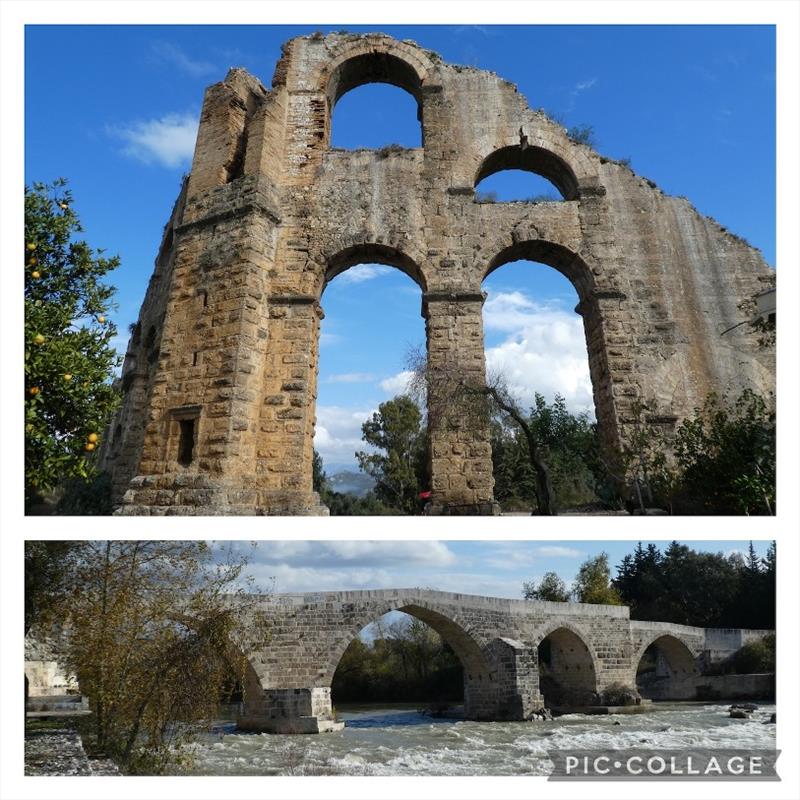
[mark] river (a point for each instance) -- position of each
(383, 740)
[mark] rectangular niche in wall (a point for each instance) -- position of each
(183, 433)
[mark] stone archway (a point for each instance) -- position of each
(666, 668)
(537, 160)
(593, 306)
(568, 667)
(479, 676)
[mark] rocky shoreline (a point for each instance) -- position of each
(55, 748)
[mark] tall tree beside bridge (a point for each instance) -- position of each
(152, 640)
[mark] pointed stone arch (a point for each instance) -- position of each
(373, 59)
(572, 675)
(369, 252)
(477, 657)
(674, 671)
(536, 160)
(597, 305)
(542, 146)
(679, 652)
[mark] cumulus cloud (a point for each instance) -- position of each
(357, 552)
(173, 56)
(513, 555)
(286, 578)
(350, 377)
(167, 141)
(554, 551)
(361, 273)
(338, 433)
(300, 566)
(397, 384)
(544, 351)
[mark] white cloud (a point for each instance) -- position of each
(350, 377)
(327, 339)
(735, 552)
(362, 272)
(174, 56)
(554, 551)
(582, 86)
(338, 433)
(361, 552)
(168, 141)
(544, 352)
(397, 384)
(515, 555)
(297, 566)
(285, 578)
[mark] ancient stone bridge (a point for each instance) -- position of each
(220, 376)
(505, 647)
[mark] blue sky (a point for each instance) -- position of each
(114, 109)
(495, 568)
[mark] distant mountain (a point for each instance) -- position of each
(349, 482)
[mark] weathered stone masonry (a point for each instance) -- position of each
(220, 374)
(496, 640)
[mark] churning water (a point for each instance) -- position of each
(397, 741)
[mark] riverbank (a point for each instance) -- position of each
(53, 746)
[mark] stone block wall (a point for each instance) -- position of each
(497, 641)
(227, 348)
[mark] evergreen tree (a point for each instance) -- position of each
(399, 465)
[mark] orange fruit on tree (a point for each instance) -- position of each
(31, 246)
(38, 339)
(101, 319)
(36, 274)
(88, 447)
(67, 376)
(34, 390)
(92, 438)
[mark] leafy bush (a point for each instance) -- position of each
(87, 498)
(582, 134)
(758, 656)
(618, 694)
(725, 457)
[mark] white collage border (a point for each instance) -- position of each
(15, 527)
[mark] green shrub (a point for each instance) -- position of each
(757, 656)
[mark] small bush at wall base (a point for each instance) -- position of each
(87, 498)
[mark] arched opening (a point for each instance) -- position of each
(666, 670)
(385, 110)
(567, 674)
(372, 299)
(551, 169)
(516, 185)
(411, 655)
(538, 349)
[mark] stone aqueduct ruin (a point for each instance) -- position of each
(288, 683)
(220, 376)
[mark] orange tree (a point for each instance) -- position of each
(69, 356)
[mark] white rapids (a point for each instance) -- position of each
(399, 741)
